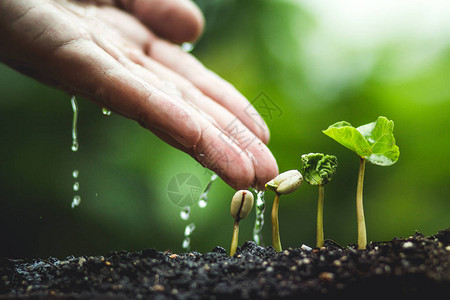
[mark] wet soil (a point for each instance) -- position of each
(414, 266)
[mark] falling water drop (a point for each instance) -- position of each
(186, 243)
(202, 203)
(106, 112)
(76, 201)
(185, 213)
(76, 186)
(74, 146)
(259, 221)
(74, 103)
(75, 173)
(189, 228)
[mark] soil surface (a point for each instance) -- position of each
(418, 265)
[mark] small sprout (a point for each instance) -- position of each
(241, 205)
(286, 182)
(318, 169)
(283, 184)
(373, 142)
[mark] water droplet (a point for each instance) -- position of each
(76, 201)
(74, 146)
(185, 213)
(202, 203)
(306, 247)
(75, 173)
(76, 186)
(187, 47)
(106, 112)
(260, 207)
(189, 228)
(186, 243)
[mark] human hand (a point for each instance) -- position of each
(122, 55)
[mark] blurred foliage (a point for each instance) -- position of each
(278, 49)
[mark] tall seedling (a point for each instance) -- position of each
(373, 142)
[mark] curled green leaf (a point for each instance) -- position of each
(318, 168)
(374, 142)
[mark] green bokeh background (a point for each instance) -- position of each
(319, 62)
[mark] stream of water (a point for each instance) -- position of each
(204, 196)
(260, 207)
(76, 200)
(74, 103)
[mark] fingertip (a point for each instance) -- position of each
(175, 20)
(219, 153)
(265, 135)
(266, 167)
(197, 23)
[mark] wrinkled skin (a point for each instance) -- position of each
(123, 55)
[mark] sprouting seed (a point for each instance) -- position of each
(241, 205)
(283, 184)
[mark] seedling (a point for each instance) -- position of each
(373, 142)
(318, 169)
(283, 184)
(241, 205)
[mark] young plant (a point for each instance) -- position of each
(373, 142)
(318, 169)
(241, 205)
(283, 184)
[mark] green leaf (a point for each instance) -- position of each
(374, 142)
(348, 136)
(317, 168)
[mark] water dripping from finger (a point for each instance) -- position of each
(76, 200)
(203, 202)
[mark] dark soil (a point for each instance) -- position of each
(417, 265)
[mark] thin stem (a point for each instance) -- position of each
(319, 239)
(234, 239)
(275, 230)
(362, 237)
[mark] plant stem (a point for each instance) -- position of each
(234, 239)
(275, 230)
(319, 239)
(362, 237)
